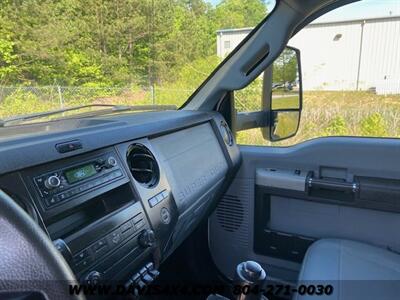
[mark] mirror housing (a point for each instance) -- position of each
(282, 96)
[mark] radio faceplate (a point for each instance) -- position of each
(61, 185)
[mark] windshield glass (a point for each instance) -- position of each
(64, 53)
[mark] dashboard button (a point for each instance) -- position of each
(127, 229)
(149, 266)
(165, 194)
(154, 273)
(126, 226)
(137, 218)
(83, 264)
(139, 224)
(143, 271)
(100, 247)
(39, 181)
(159, 198)
(52, 201)
(68, 146)
(83, 255)
(135, 278)
(141, 285)
(165, 215)
(153, 202)
(115, 237)
(147, 279)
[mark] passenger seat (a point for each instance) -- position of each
(355, 270)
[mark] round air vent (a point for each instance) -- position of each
(143, 165)
(226, 134)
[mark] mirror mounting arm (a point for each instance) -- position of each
(267, 100)
(249, 120)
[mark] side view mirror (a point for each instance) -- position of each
(282, 96)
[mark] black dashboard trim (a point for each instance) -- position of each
(23, 152)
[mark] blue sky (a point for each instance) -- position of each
(361, 9)
(364, 9)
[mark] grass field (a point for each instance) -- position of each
(339, 114)
(324, 113)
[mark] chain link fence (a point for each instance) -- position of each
(16, 100)
(61, 95)
(27, 99)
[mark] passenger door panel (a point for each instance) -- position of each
(283, 199)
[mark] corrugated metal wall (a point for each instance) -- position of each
(348, 55)
(380, 58)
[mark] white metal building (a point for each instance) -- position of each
(343, 55)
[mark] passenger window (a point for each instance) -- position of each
(351, 76)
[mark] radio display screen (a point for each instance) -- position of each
(81, 173)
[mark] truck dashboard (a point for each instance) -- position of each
(119, 193)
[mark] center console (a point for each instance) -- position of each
(120, 211)
(92, 214)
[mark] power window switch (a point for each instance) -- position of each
(154, 273)
(147, 279)
(149, 266)
(143, 271)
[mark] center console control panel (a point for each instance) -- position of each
(93, 214)
(105, 248)
(58, 186)
(107, 243)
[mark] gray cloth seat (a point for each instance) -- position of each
(355, 270)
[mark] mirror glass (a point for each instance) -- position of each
(286, 81)
(285, 124)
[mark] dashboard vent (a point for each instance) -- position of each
(226, 134)
(143, 165)
(230, 213)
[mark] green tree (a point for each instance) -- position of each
(7, 59)
(112, 42)
(239, 13)
(285, 67)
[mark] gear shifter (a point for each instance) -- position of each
(251, 275)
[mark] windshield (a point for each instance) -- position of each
(65, 53)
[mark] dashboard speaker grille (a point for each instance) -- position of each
(143, 165)
(230, 213)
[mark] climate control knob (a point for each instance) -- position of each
(52, 182)
(147, 238)
(93, 278)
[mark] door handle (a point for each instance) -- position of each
(325, 184)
